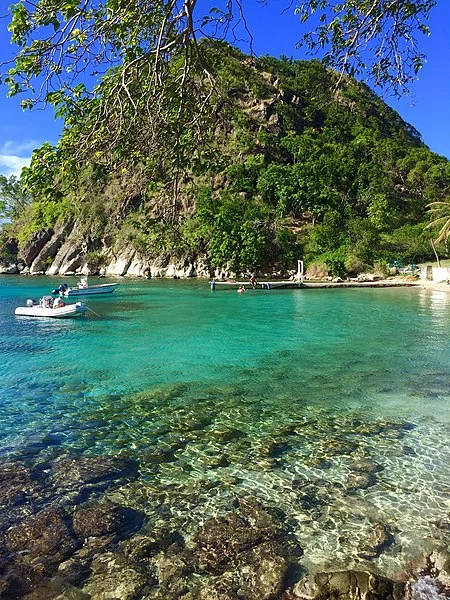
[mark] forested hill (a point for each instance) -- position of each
(288, 160)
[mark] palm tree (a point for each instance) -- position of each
(440, 210)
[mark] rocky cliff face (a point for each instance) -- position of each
(64, 251)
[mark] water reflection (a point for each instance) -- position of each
(437, 300)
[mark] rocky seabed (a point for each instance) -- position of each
(80, 526)
(101, 549)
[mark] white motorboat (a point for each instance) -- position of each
(47, 307)
(84, 289)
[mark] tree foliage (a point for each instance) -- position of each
(290, 167)
(375, 38)
(14, 198)
(117, 64)
(440, 213)
(63, 38)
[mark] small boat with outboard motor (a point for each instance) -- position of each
(49, 307)
(84, 289)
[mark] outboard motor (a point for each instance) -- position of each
(60, 289)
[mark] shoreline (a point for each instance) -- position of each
(305, 285)
(381, 283)
(277, 283)
(443, 287)
(356, 284)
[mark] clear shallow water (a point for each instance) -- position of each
(288, 395)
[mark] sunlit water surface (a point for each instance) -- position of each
(287, 395)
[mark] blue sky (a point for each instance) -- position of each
(427, 107)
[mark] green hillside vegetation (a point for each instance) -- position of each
(283, 165)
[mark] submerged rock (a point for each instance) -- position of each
(339, 447)
(55, 590)
(346, 585)
(264, 573)
(359, 481)
(20, 580)
(420, 565)
(44, 538)
(363, 475)
(379, 538)
(441, 565)
(16, 484)
(220, 541)
(75, 479)
(157, 456)
(250, 549)
(173, 574)
(276, 449)
(226, 435)
(108, 519)
(77, 568)
(144, 546)
(212, 592)
(114, 579)
(368, 465)
(69, 472)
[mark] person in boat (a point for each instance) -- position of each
(58, 302)
(253, 281)
(241, 289)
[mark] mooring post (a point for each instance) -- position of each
(300, 271)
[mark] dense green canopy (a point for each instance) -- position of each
(286, 165)
(179, 145)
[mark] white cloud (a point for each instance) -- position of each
(16, 155)
(12, 165)
(19, 148)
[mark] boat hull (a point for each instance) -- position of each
(62, 312)
(104, 288)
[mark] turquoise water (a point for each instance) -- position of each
(283, 394)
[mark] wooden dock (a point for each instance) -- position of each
(261, 285)
(306, 285)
